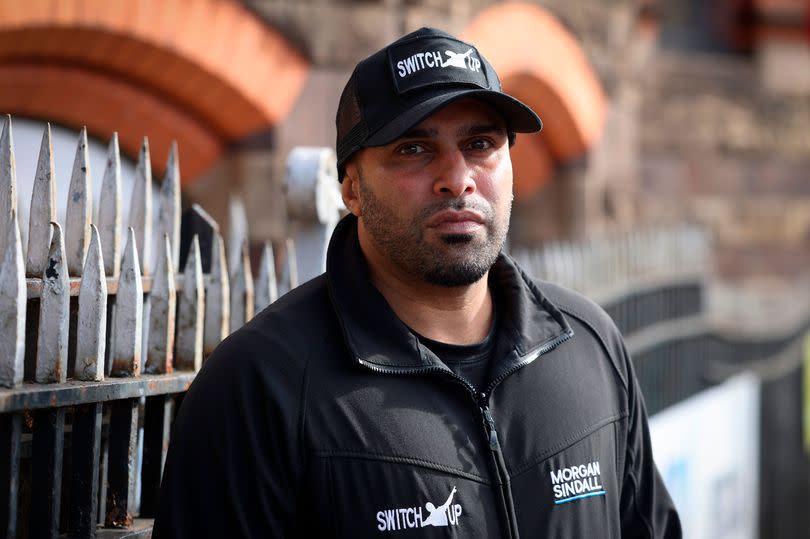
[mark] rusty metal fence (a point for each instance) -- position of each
(98, 343)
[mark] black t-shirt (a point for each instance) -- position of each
(469, 361)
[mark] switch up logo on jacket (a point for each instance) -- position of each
(404, 518)
(577, 482)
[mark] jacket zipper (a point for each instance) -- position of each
(501, 475)
(501, 471)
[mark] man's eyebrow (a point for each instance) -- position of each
(419, 132)
(481, 129)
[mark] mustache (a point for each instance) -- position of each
(458, 204)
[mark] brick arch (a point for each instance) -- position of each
(543, 65)
(204, 72)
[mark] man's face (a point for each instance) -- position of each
(434, 205)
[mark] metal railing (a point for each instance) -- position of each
(98, 344)
(653, 283)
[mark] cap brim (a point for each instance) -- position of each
(518, 116)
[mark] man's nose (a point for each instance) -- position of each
(453, 174)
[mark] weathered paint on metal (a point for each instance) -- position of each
(121, 463)
(140, 211)
(126, 357)
(43, 209)
(241, 291)
(92, 322)
(34, 286)
(12, 309)
(169, 213)
(217, 299)
(190, 313)
(47, 450)
(292, 263)
(84, 473)
(8, 179)
(266, 286)
(52, 342)
(109, 210)
(158, 413)
(37, 396)
(79, 212)
(163, 298)
(195, 221)
(141, 528)
(237, 230)
(10, 450)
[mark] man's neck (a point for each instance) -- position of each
(452, 315)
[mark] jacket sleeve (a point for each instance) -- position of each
(647, 510)
(234, 462)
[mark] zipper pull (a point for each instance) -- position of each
(493, 434)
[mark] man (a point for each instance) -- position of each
(424, 365)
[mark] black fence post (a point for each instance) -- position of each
(10, 437)
(46, 470)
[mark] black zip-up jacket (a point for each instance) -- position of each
(324, 417)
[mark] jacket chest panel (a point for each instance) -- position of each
(418, 417)
(573, 493)
(556, 408)
(369, 497)
(559, 442)
(400, 456)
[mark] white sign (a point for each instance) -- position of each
(707, 449)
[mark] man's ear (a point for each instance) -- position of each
(350, 189)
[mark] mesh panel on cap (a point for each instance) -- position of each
(351, 129)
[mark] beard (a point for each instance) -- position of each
(452, 260)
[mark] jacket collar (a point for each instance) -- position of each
(377, 337)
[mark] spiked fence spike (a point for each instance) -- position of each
(43, 209)
(79, 208)
(266, 290)
(292, 263)
(169, 217)
(217, 299)
(126, 357)
(190, 313)
(8, 178)
(163, 298)
(140, 211)
(196, 221)
(91, 327)
(237, 230)
(12, 309)
(241, 291)
(52, 342)
(109, 210)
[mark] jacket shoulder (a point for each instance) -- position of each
(289, 317)
(277, 340)
(593, 318)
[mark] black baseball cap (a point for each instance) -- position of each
(399, 86)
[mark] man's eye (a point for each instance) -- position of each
(411, 149)
(480, 144)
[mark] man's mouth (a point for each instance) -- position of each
(462, 222)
